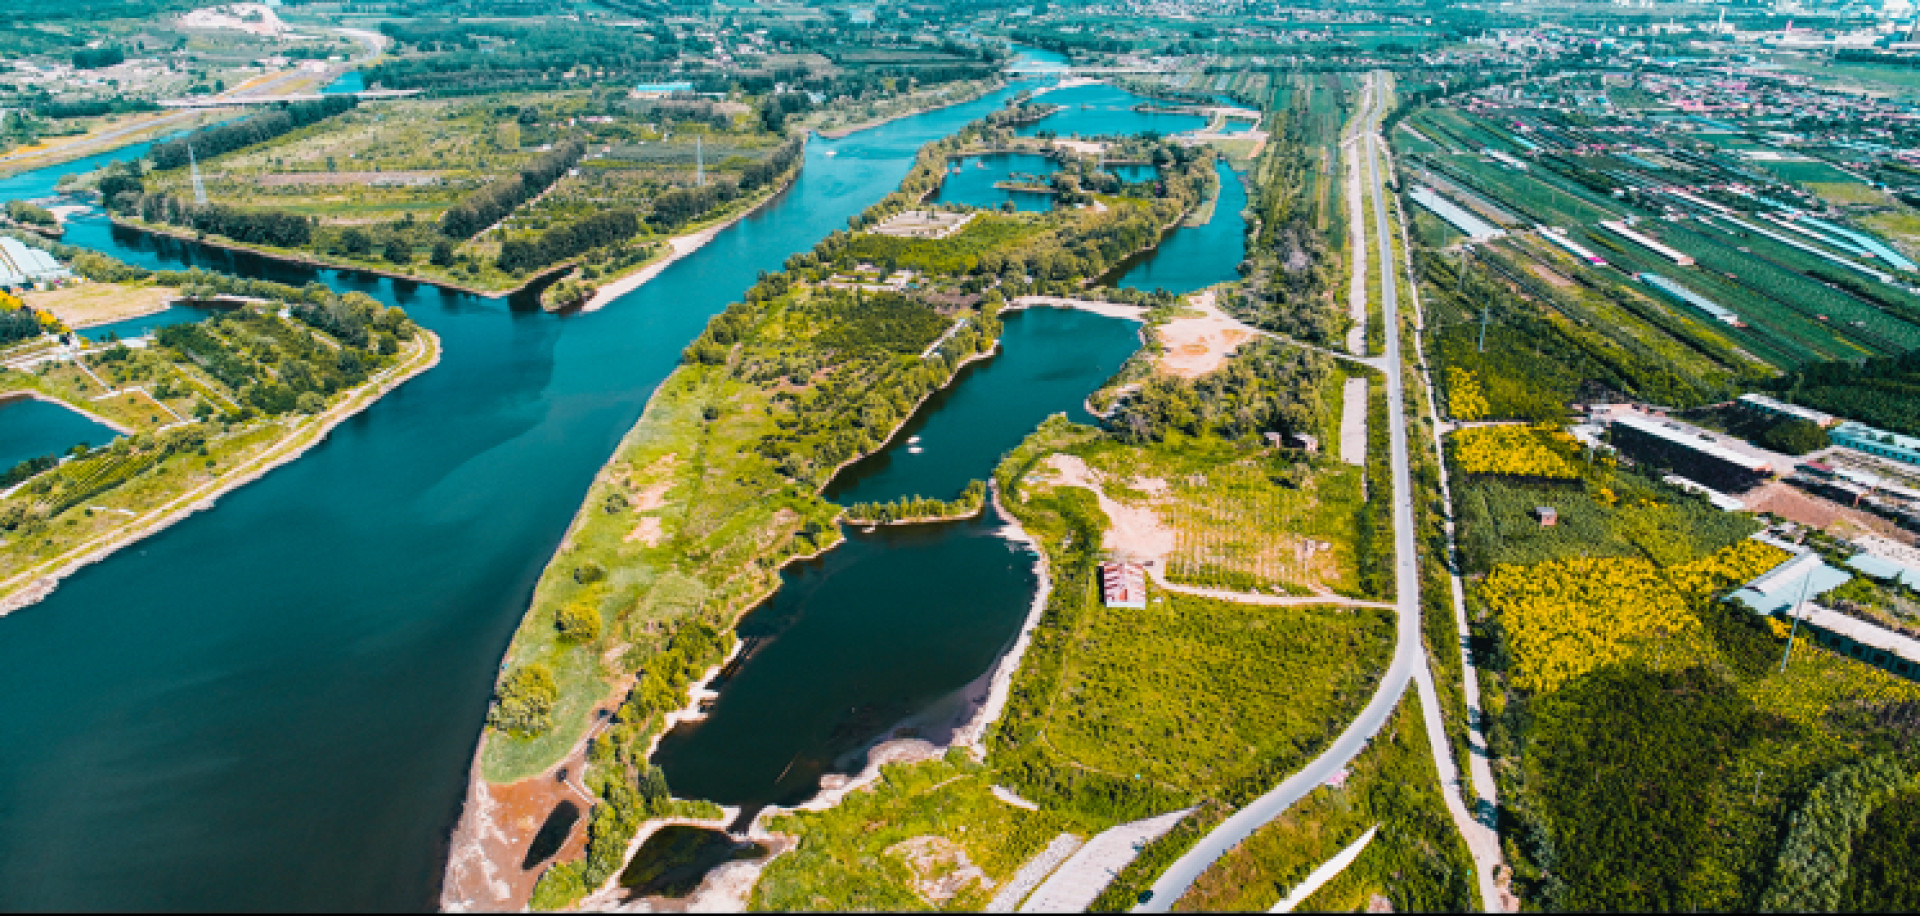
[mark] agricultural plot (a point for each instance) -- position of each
(1770, 289)
(379, 162)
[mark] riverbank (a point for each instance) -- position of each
(685, 244)
(33, 583)
(307, 259)
(979, 89)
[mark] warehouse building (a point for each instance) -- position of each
(1863, 438)
(1688, 454)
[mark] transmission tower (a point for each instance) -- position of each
(199, 187)
(699, 164)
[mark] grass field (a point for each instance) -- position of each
(1417, 861)
(929, 835)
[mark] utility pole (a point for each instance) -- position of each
(1794, 612)
(699, 164)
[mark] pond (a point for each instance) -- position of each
(970, 181)
(31, 428)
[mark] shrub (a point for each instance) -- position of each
(577, 623)
(1794, 437)
(525, 701)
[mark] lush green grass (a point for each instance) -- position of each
(1189, 698)
(1417, 860)
(861, 854)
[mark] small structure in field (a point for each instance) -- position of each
(1548, 516)
(1124, 585)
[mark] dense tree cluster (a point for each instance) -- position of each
(562, 242)
(1882, 391)
(479, 56)
(523, 704)
(492, 203)
(208, 142)
(98, 58)
(247, 226)
(1267, 388)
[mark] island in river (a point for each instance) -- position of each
(719, 485)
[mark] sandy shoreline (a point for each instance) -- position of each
(30, 586)
(1097, 307)
(682, 245)
(841, 133)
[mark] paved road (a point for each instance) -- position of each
(1407, 654)
(1409, 657)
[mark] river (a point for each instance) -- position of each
(273, 704)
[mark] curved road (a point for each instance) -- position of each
(1409, 656)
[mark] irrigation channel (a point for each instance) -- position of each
(273, 703)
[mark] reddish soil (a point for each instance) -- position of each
(1794, 504)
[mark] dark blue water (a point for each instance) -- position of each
(31, 428)
(141, 326)
(273, 704)
(973, 183)
(1100, 109)
(876, 630)
(1196, 257)
(1050, 360)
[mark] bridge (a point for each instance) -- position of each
(365, 95)
(1045, 70)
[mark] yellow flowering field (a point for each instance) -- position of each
(1465, 399)
(1564, 618)
(1519, 451)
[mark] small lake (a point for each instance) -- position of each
(1050, 360)
(1196, 257)
(970, 181)
(139, 327)
(850, 645)
(1103, 110)
(30, 428)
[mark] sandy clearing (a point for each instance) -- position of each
(649, 532)
(1198, 344)
(84, 305)
(1136, 533)
(1353, 421)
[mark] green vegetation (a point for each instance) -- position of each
(1097, 725)
(920, 508)
(1417, 861)
(928, 835)
(210, 397)
(1883, 392)
(1815, 857)
(718, 484)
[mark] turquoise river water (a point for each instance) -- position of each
(273, 703)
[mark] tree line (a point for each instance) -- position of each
(490, 204)
(278, 228)
(208, 142)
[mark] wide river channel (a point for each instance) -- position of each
(273, 704)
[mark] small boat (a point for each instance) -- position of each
(979, 165)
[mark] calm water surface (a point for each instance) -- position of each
(31, 428)
(273, 704)
(1196, 257)
(973, 183)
